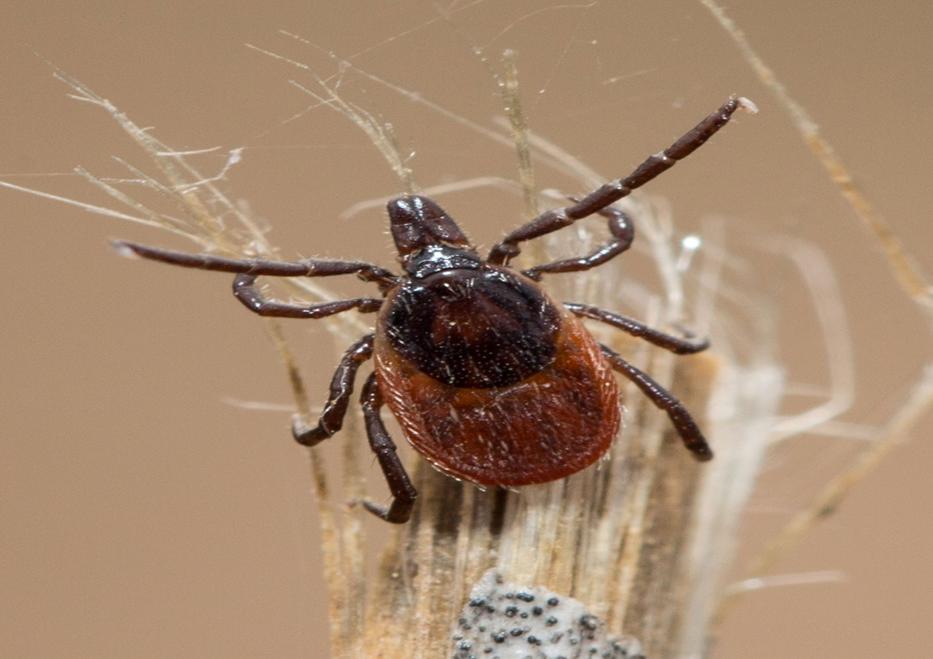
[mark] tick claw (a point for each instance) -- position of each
(375, 509)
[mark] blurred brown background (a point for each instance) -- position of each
(143, 517)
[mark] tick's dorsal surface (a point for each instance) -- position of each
(485, 327)
(491, 380)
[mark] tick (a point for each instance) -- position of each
(489, 378)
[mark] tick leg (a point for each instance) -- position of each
(684, 424)
(341, 388)
(611, 192)
(623, 233)
(403, 492)
(246, 292)
(305, 268)
(677, 345)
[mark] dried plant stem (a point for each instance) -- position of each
(835, 491)
(904, 267)
(512, 101)
(610, 536)
(335, 575)
(192, 194)
(908, 275)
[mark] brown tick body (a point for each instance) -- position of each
(491, 380)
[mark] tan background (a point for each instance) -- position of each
(143, 517)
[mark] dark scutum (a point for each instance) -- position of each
(474, 328)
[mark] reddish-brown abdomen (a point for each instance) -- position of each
(544, 427)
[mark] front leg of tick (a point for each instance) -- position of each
(600, 198)
(620, 228)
